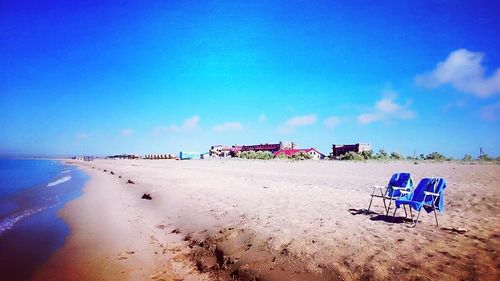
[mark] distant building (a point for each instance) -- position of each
(315, 154)
(272, 147)
(341, 149)
(160, 156)
(88, 158)
(234, 150)
(220, 151)
(124, 156)
(189, 155)
(287, 145)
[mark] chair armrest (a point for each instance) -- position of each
(431, 193)
(405, 192)
(400, 188)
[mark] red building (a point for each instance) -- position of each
(272, 147)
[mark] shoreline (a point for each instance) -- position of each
(104, 238)
(218, 220)
(32, 231)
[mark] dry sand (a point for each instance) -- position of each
(273, 220)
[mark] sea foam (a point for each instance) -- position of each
(9, 222)
(59, 181)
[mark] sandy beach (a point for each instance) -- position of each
(273, 220)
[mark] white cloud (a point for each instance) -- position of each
(331, 122)
(127, 132)
(188, 125)
(82, 136)
(386, 109)
(463, 70)
(262, 118)
(228, 126)
(297, 121)
(491, 112)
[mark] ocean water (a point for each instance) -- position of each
(31, 194)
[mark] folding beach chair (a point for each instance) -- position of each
(399, 185)
(429, 194)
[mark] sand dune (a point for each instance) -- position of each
(275, 220)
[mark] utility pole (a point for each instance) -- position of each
(481, 153)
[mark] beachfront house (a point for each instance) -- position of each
(341, 149)
(271, 147)
(220, 150)
(314, 153)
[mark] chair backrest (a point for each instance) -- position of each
(399, 180)
(436, 185)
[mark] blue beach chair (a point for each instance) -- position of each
(429, 194)
(399, 185)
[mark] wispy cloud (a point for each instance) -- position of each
(82, 136)
(188, 125)
(262, 118)
(331, 122)
(127, 132)
(454, 104)
(386, 109)
(228, 126)
(491, 112)
(297, 121)
(464, 71)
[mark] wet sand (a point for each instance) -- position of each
(274, 220)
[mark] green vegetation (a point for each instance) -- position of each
(435, 156)
(281, 156)
(352, 156)
(397, 156)
(381, 155)
(484, 157)
(367, 154)
(263, 155)
(467, 157)
(301, 156)
(266, 155)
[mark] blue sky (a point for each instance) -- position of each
(161, 76)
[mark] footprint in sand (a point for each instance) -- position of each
(122, 256)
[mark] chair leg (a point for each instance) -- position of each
(393, 215)
(418, 215)
(369, 206)
(406, 214)
(435, 216)
(389, 207)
